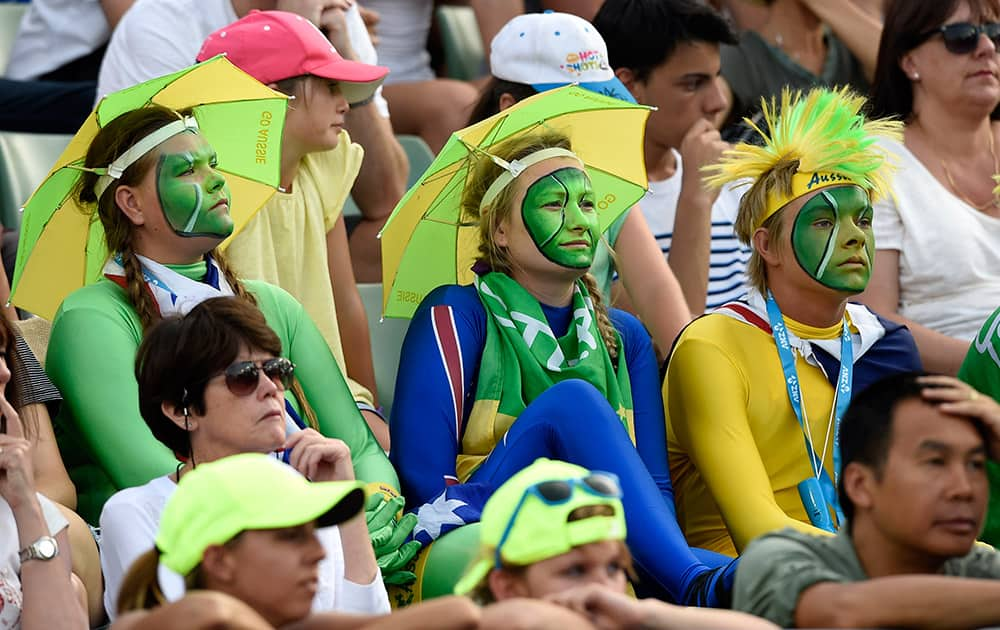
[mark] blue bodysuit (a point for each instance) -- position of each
(571, 421)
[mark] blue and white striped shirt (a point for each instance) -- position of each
(729, 257)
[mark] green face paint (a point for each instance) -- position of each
(189, 189)
(832, 238)
(558, 212)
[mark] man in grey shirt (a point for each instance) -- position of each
(914, 490)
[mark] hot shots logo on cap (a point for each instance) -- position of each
(578, 63)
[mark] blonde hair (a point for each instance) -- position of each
(484, 172)
(140, 589)
(777, 179)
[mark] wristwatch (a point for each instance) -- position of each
(45, 548)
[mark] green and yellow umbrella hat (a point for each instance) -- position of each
(62, 246)
(426, 242)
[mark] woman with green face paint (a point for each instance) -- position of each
(528, 363)
(163, 218)
(754, 447)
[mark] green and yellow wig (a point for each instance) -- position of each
(810, 142)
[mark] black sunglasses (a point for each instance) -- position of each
(243, 377)
(961, 38)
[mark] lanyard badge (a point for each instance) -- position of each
(819, 491)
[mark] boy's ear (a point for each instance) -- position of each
(627, 77)
(506, 584)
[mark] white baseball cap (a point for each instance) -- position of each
(550, 50)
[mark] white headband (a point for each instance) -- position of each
(515, 167)
(139, 149)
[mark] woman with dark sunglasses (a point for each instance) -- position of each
(938, 236)
(556, 530)
(211, 384)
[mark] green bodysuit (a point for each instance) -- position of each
(981, 370)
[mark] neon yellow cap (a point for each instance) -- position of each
(220, 499)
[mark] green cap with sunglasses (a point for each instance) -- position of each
(525, 520)
(218, 500)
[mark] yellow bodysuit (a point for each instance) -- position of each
(737, 452)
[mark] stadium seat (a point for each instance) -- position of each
(25, 160)
(387, 342)
(418, 154)
(10, 20)
(463, 45)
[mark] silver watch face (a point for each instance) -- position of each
(45, 548)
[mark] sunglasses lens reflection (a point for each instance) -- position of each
(603, 484)
(963, 38)
(554, 491)
(242, 378)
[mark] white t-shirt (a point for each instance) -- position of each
(402, 38)
(129, 522)
(55, 32)
(10, 564)
(949, 252)
(157, 37)
(728, 258)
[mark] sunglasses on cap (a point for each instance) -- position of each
(243, 377)
(961, 38)
(559, 491)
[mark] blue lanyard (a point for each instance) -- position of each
(842, 396)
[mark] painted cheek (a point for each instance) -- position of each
(809, 242)
(543, 224)
(180, 200)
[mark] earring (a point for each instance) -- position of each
(186, 414)
(916, 76)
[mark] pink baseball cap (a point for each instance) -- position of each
(275, 45)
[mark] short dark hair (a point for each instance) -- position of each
(906, 25)
(643, 34)
(489, 99)
(866, 429)
(179, 355)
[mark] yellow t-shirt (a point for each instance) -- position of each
(285, 242)
(737, 452)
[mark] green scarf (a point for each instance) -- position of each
(522, 358)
